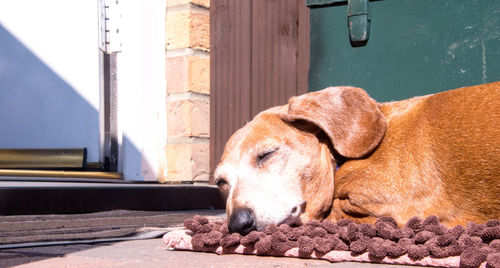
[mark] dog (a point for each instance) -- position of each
(338, 154)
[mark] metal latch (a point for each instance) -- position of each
(109, 26)
(358, 20)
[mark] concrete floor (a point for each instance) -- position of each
(147, 253)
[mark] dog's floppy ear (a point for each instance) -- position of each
(349, 117)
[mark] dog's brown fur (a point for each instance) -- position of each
(433, 155)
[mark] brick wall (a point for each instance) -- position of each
(188, 88)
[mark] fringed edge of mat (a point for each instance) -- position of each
(181, 240)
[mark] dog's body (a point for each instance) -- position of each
(433, 155)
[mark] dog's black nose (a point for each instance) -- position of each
(242, 221)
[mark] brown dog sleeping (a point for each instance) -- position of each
(336, 154)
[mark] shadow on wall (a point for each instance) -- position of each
(39, 109)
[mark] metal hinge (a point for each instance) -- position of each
(109, 26)
(358, 19)
(315, 3)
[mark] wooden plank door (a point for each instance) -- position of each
(259, 53)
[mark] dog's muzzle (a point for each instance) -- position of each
(242, 221)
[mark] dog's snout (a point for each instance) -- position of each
(242, 221)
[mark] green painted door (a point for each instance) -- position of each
(414, 47)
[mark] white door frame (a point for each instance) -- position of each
(141, 91)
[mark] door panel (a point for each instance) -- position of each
(259, 58)
(414, 47)
(49, 75)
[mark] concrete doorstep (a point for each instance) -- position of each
(115, 237)
(107, 252)
(147, 253)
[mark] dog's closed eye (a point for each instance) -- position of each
(262, 157)
(223, 185)
(220, 182)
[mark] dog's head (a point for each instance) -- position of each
(279, 168)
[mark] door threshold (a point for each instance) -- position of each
(59, 174)
(62, 197)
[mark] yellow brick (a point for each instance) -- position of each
(177, 74)
(203, 3)
(179, 118)
(200, 165)
(200, 118)
(179, 162)
(200, 31)
(188, 28)
(188, 73)
(199, 74)
(188, 162)
(171, 3)
(188, 118)
(177, 29)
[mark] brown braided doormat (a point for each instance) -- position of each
(419, 242)
(30, 230)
